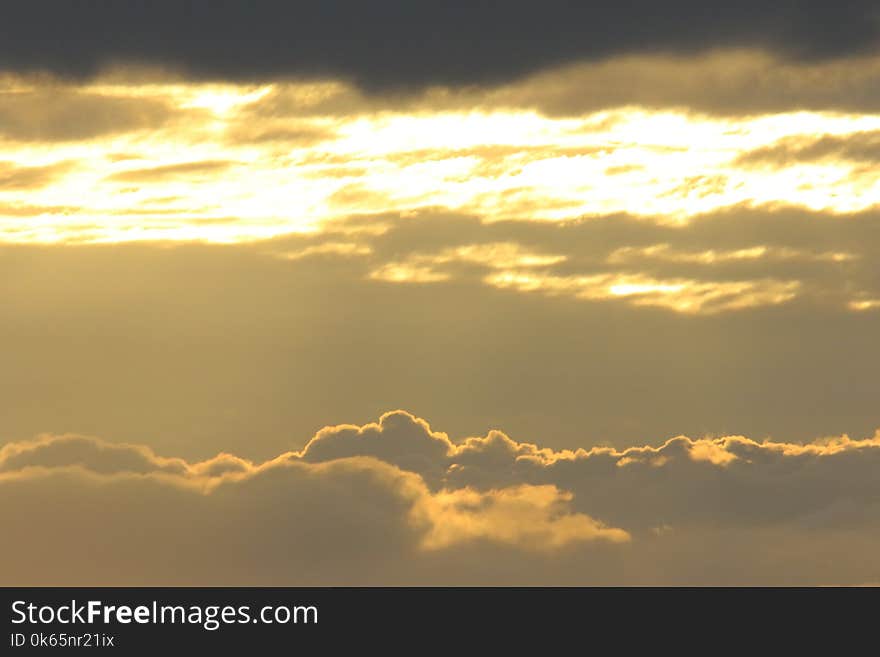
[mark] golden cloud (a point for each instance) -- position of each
(394, 499)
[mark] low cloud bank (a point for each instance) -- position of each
(396, 502)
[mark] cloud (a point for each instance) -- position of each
(717, 263)
(398, 502)
(743, 481)
(287, 519)
(45, 111)
(181, 171)
(862, 147)
(97, 456)
(285, 134)
(680, 295)
(449, 42)
(665, 138)
(14, 177)
(723, 82)
(397, 436)
(531, 516)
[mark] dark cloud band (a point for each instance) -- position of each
(394, 43)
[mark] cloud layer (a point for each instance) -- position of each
(396, 502)
(436, 42)
(720, 263)
(132, 155)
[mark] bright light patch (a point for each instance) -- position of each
(300, 154)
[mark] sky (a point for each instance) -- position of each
(439, 293)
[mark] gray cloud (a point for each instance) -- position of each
(729, 480)
(690, 511)
(720, 82)
(434, 43)
(862, 147)
(97, 456)
(61, 112)
(725, 82)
